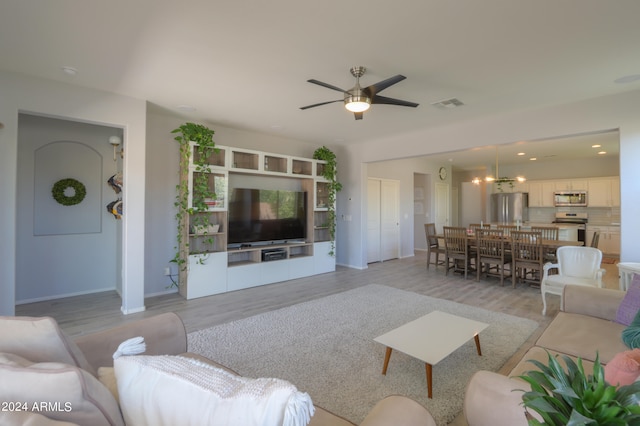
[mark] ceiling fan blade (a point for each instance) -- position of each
(390, 101)
(327, 85)
(358, 115)
(381, 85)
(321, 103)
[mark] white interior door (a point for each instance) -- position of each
(441, 206)
(389, 219)
(383, 230)
(373, 221)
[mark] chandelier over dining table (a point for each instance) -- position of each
(500, 179)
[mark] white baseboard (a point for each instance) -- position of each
(61, 296)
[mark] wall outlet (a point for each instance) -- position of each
(167, 271)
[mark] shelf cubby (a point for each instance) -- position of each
(321, 195)
(245, 160)
(301, 167)
(217, 158)
(274, 164)
(217, 184)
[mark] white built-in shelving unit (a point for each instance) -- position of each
(213, 267)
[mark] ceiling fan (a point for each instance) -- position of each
(357, 99)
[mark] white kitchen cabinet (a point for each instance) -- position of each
(520, 187)
(609, 241)
(571, 184)
(541, 193)
(604, 192)
(614, 241)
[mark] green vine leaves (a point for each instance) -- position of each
(330, 174)
(202, 138)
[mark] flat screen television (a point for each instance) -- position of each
(266, 216)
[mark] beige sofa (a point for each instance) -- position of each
(164, 335)
(585, 327)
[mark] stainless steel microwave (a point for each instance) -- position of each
(570, 198)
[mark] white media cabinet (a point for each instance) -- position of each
(214, 268)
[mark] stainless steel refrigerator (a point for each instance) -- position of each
(510, 207)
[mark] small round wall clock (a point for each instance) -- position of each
(442, 173)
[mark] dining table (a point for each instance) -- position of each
(549, 244)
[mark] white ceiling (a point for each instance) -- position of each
(584, 146)
(245, 64)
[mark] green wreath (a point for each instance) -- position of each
(60, 186)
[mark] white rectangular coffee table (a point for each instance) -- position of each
(431, 338)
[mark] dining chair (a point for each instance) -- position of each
(474, 226)
(595, 239)
(491, 250)
(548, 233)
(433, 245)
(456, 245)
(507, 229)
(528, 256)
(576, 266)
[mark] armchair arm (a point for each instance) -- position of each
(599, 274)
(164, 334)
(494, 399)
(398, 410)
(547, 267)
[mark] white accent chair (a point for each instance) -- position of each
(577, 266)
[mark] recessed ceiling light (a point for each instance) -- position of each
(70, 70)
(602, 152)
(596, 146)
(186, 108)
(533, 158)
(627, 79)
(521, 153)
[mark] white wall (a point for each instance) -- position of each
(610, 112)
(26, 94)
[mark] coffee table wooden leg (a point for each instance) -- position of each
(477, 339)
(386, 360)
(429, 369)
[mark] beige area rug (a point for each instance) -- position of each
(325, 347)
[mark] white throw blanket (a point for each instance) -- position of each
(171, 390)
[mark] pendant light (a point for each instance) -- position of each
(503, 179)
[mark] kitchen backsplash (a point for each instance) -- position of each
(597, 215)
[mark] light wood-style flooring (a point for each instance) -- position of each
(85, 314)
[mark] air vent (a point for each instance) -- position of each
(448, 103)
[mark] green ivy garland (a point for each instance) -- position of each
(60, 186)
(330, 174)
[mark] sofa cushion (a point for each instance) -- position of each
(623, 369)
(630, 304)
(171, 390)
(60, 391)
(631, 334)
(25, 418)
(541, 354)
(40, 339)
(573, 334)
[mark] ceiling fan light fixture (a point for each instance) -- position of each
(357, 103)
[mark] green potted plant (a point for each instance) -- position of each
(330, 172)
(572, 397)
(204, 146)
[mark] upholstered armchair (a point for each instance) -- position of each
(575, 265)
